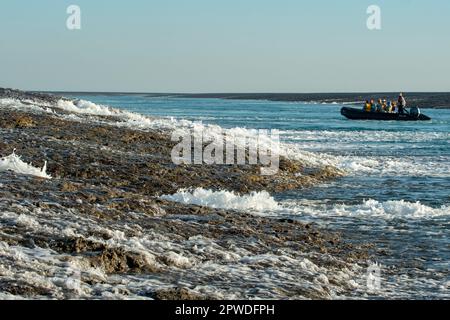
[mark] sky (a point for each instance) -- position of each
(201, 46)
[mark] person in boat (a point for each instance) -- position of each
(379, 105)
(401, 103)
(372, 105)
(394, 106)
(389, 107)
(367, 106)
(384, 106)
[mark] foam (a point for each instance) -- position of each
(368, 209)
(257, 201)
(14, 163)
(363, 136)
(25, 106)
(327, 146)
(86, 107)
(207, 265)
(416, 166)
(177, 260)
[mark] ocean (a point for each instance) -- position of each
(395, 193)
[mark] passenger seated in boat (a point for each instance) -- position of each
(379, 105)
(389, 107)
(367, 106)
(384, 106)
(394, 106)
(372, 105)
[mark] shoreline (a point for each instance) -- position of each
(101, 214)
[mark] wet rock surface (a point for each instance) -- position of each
(98, 228)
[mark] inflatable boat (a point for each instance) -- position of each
(356, 114)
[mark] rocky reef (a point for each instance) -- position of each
(98, 229)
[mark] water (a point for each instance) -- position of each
(395, 194)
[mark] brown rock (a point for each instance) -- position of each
(119, 261)
(176, 294)
(24, 122)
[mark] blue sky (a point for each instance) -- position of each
(225, 46)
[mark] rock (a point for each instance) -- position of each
(119, 261)
(69, 187)
(29, 243)
(74, 245)
(176, 294)
(24, 122)
(20, 288)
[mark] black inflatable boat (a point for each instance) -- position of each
(357, 114)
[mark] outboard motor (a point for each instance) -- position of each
(415, 112)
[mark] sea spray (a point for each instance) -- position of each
(14, 163)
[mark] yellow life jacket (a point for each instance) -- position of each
(368, 107)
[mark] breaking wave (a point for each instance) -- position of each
(258, 201)
(263, 202)
(86, 107)
(368, 209)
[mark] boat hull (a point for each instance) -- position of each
(357, 114)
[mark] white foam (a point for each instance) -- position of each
(25, 106)
(208, 265)
(86, 107)
(123, 118)
(417, 166)
(177, 260)
(328, 146)
(368, 209)
(258, 201)
(362, 136)
(14, 163)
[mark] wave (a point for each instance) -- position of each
(14, 163)
(342, 149)
(263, 202)
(86, 107)
(392, 209)
(257, 201)
(364, 136)
(422, 166)
(122, 118)
(388, 210)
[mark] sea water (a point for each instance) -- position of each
(395, 193)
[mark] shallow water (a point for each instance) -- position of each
(395, 193)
